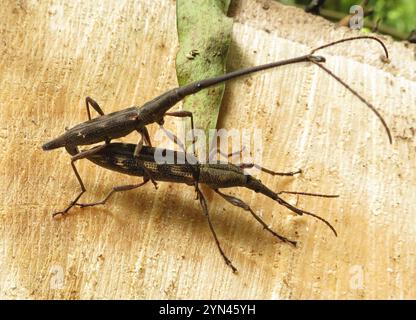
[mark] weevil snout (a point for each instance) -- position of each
(54, 144)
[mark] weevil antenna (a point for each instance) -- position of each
(355, 93)
(353, 39)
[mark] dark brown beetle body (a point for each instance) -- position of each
(120, 157)
(121, 123)
(110, 126)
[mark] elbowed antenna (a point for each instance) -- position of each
(257, 186)
(354, 92)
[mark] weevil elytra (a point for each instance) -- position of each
(120, 157)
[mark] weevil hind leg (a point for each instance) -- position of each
(241, 204)
(176, 140)
(203, 204)
(76, 157)
(144, 138)
(139, 145)
(113, 191)
(173, 138)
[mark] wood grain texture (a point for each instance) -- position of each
(156, 244)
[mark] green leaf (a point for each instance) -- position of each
(204, 33)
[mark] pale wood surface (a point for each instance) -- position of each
(156, 244)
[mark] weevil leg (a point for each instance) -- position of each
(176, 140)
(78, 156)
(240, 203)
(203, 203)
(146, 136)
(150, 177)
(183, 114)
(139, 145)
(91, 102)
(114, 190)
(144, 139)
(225, 155)
(137, 150)
(173, 138)
(87, 153)
(273, 173)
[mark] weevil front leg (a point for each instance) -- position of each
(144, 137)
(241, 204)
(91, 102)
(114, 190)
(203, 203)
(176, 140)
(78, 156)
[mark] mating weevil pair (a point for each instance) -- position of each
(120, 123)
